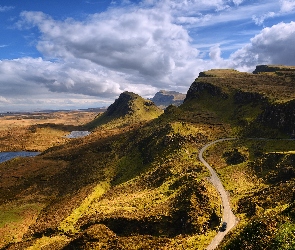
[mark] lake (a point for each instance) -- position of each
(78, 134)
(5, 156)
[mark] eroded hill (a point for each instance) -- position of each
(128, 109)
(259, 104)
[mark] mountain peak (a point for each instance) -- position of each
(127, 109)
(123, 105)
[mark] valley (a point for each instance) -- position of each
(138, 180)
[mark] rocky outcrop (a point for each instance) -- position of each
(165, 98)
(262, 102)
(198, 87)
(281, 116)
(272, 68)
(123, 105)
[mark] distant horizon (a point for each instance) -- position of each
(49, 110)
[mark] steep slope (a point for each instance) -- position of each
(129, 108)
(165, 98)
(258, 173)
(261, 186)
(254, 104)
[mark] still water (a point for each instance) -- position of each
(5, 156)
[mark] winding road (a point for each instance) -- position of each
(228, 215)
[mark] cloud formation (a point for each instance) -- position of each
(5, 8)
(142, 48)
(287, 5)
(273, 45)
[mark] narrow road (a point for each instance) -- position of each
(228, 215)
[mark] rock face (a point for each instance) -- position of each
(265, 98)
(165, 98)
(281, 116)
(273, 68)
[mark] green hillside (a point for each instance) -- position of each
(143, 187)
(128, 109)
(136, 182)
(258, 173)
(258, 105)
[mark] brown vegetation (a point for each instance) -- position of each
(39, 131)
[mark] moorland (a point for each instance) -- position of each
(136, 181)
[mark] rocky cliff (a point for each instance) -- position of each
(268, 93)
(165, 98)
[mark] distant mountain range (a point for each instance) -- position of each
(165, 98)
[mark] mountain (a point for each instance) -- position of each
(259, 104)
(143, 187)
(165, 98)
(129, 108)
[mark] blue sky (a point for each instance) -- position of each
(79, 54)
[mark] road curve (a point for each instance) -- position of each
(228, 215)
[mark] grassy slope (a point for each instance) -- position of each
(261, 186)
(145, 177)
(128, 109)
(262, 193)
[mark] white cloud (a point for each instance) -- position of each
(215, 53)
(259, 20)
(238, 2)
(287, 6)
(138, 46)
(26, 75)
(5, 8)
(4, 100)
(274, 45)
(190, 6)
(231, 14)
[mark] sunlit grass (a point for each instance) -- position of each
(46, 241)
(15, 220)
(68, 224)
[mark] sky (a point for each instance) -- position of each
(84, 53)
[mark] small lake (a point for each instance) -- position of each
(5, 156)
(78, 134)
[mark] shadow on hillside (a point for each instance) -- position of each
(62, 127)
